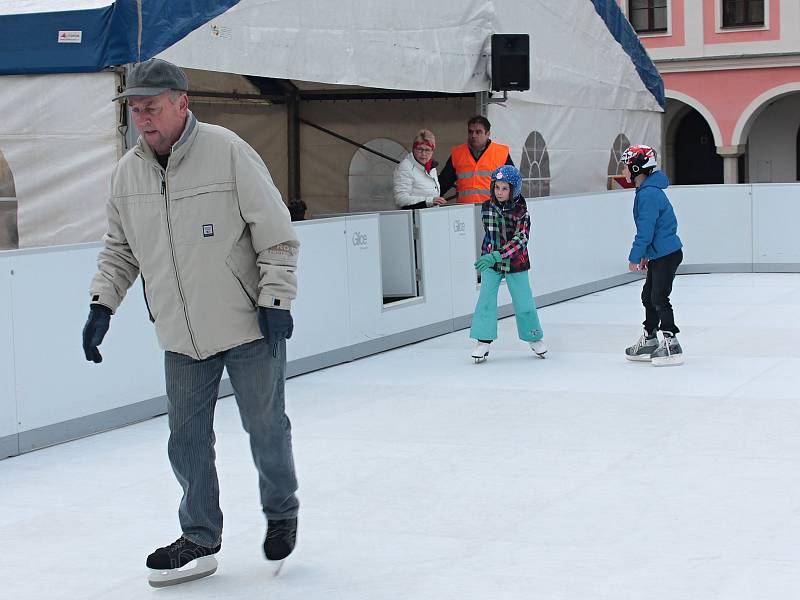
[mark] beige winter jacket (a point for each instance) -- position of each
(210, 236)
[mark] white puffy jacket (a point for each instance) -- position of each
(413, 185)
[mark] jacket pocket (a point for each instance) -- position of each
(204, 215)
(249, 294)
(146, 303)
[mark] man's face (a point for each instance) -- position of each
(159, 119)
(477, 136)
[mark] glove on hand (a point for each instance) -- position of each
(487, 261)
(276, 324)
(95, 330)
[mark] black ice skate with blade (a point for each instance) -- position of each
(180, 562)
(279, 542)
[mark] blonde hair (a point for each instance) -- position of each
(425, 135)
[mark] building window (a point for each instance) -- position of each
(648, 16)
(742, 13)
(535, 167)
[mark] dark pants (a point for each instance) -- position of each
(257, 378)
(656, 291)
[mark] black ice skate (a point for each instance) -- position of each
(280, 541)
(643, 348)
(669, 352)
(180, 562)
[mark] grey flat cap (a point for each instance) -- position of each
(153, 77)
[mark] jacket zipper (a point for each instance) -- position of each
(164, 191)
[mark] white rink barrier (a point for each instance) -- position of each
(348, 264)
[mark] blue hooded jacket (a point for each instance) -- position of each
(656, 225)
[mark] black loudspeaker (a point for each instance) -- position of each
(511, 62)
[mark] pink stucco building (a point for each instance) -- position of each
(731, 71)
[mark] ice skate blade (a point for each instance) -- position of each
(274, 567)
(668, 361)
(540, 354)
(196, 569)
(638, 358)
(479, 359)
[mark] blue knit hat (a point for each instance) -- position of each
(512, 176)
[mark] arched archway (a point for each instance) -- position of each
(772, 144)
(695, 154)
(749, 115)
(797, 154)
(682, 99)
(370, 176)
(691, 139)
(9, 233)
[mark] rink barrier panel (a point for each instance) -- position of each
(579, 245)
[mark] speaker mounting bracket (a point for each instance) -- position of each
(502, 100)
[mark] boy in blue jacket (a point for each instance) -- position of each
(656, 249)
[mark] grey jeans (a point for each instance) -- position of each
(257, 378)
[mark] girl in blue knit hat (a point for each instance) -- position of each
(504, 254)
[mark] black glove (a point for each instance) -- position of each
(95, 330)
(276, 324)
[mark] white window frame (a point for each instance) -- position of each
(718, 28)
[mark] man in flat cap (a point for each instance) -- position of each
(194, 211)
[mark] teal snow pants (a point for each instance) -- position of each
(484, 321)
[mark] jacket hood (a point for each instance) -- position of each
(656, 179)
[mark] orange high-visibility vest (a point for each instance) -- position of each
(473, 179)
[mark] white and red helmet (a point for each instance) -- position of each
(639, 159)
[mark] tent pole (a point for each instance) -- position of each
(482, 103)
(293, 145)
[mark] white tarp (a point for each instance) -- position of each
(58, 134)
(585, 91)
(409, 45)
(575, 60)
(420, 45)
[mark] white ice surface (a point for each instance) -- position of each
(424, 476)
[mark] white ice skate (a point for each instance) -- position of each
(480, 352)
(196, 569)
(539, 348)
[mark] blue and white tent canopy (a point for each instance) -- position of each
(592, 83)
(53, 36)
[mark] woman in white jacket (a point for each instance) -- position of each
(416, 184)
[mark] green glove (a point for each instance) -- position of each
(487, 261)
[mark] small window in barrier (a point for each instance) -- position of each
(399, 269)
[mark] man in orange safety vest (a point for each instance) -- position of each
(471, 165)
